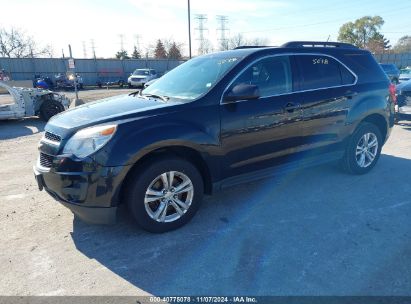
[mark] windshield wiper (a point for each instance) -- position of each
(163, 98)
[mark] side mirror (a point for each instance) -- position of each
(242, 92)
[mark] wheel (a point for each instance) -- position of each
(49, 108)
(121, 84)
(164, 194)
(363, 149)
(130, 86)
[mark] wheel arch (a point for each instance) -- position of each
(181, 151)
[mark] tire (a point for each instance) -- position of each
(49, 108)
(121, 84)
(130, 86)
(146, 207)
(352, 163)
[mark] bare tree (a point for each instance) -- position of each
(239, 40)
(15, 43)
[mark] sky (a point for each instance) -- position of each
(62, 22)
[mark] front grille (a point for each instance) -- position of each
(52, 137)
(136, 79)
(46, 160)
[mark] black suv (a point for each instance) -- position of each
(215, 121)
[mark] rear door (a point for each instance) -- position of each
(326, 92)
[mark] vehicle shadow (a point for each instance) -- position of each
(315, 231)
(14, 128)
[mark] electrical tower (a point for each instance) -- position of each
(93, 48)
(201, 21)
(84, 49)
(223, 20)
(121, 42)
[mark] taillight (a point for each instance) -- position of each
(393, 93)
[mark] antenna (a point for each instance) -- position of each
(201, 20)
(223, 20)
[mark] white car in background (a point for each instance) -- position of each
(405, 75)
(141, 76)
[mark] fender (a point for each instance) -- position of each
(369, 104)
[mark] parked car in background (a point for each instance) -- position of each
(392, 72)
(67, 81)
(43, 82)
(141, 76)
(405, 75)
(403, 107)
(215, 121)
(110, 82)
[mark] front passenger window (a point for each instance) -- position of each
(272, 76)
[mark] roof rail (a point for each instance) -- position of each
(300, 44)
(249, 47)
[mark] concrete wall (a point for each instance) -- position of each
(90, 69)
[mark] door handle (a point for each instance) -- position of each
(290, 107)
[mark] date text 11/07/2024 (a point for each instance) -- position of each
(203, 299)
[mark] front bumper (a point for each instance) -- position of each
(92, 195)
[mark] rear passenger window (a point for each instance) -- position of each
(323, 72)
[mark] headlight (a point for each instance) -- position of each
(89, 140)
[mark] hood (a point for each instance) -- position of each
(139, 76)
(102, 111)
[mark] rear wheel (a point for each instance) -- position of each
(164, 194)
(363, 150)
(49, 108)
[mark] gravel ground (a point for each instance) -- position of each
(313, 232)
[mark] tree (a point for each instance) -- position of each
(239, 40)
(403, 45)
(174, 52)
(16, 43)
(378, 44)
(364, 32)
(136, 54)
(122, 54)
(160, 51)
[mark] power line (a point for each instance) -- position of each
(223, 20)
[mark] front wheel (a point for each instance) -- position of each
(164, 194)
(363, 149)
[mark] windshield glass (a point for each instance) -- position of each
(141, 72)
(193, 78)
(407, 71)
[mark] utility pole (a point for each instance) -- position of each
(189, 28)
(223, 20)
(74, 72)
(201, 19)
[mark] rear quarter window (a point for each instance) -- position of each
(322, 72)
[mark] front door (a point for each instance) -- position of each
(261, 133)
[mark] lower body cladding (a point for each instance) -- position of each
(92, 195)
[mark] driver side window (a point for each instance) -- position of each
(272, 75)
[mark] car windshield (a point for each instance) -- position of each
(407, 71)
(193, 78)
(141, 72)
